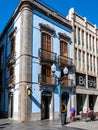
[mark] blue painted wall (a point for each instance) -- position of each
(40, 18)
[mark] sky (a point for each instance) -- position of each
(85, 8)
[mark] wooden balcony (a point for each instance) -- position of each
(47, 56)
(11, 59)
(46, 80)
(65, 61)
(66, 82)
(9, 81)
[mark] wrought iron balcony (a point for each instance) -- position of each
(47, 56)
(66, 82)
(47, 80)
(10, 80)
(11, 59)
(65, 61)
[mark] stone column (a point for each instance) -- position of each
(51, 107)
(25, 63)
(86, 103)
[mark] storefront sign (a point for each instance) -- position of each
(80, 79)
(91, 81)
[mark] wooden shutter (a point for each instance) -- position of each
(63, 48)
(46, 45)
(46, 72)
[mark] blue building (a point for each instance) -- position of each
(35, 38)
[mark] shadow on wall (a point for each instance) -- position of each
(35, 101)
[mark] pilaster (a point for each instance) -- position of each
(25, 64)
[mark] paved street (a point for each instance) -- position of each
(7, 124)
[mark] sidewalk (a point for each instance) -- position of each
(91, 125)
(82, 124)
(8, 124)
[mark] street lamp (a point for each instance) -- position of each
(65, 70)
(60, 79)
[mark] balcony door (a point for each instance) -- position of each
(12, 56)
(46, 45)
(12, 46)
(10, 105)
(64, 53)
(46, 73)
(46, 102)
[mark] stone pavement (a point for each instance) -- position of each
(90, 125)
(9, 124)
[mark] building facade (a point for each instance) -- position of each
(85, 58)
(35, 38)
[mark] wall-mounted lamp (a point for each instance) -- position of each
(29, 90)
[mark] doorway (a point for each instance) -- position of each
(65, 97)
(92, 101)
(46, 101)
(10, 105)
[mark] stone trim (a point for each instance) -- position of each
(63, 36)
(46, 28)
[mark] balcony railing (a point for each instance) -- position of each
(66, 82)
(65, 61)
(52, 81)
(10, 80)
(47, 80)
(47, 56)
(11, 59)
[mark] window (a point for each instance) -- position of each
(80, 58)
(83, 57)
(87, 40)
(82, 37)
(46, 46)
(75, 40)
(94, 63)
(83, 60)
(46, 74)
(87, 61)
(97, 45)
(12, 73)
(46, 41)
(63, 48)
(46, 70)
(12, 48)
(90, 42)
(80, 55)
(75, 53)
(93, 45)
(12, 56)
(91, 62)
(79, 36)
(46, 36)
(63, 57)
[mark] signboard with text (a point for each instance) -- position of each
(91, 82)
(81, 80)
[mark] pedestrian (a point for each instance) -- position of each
(90, 114)
(72, 113)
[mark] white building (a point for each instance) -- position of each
(85, 58)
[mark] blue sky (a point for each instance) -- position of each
(85, 8)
